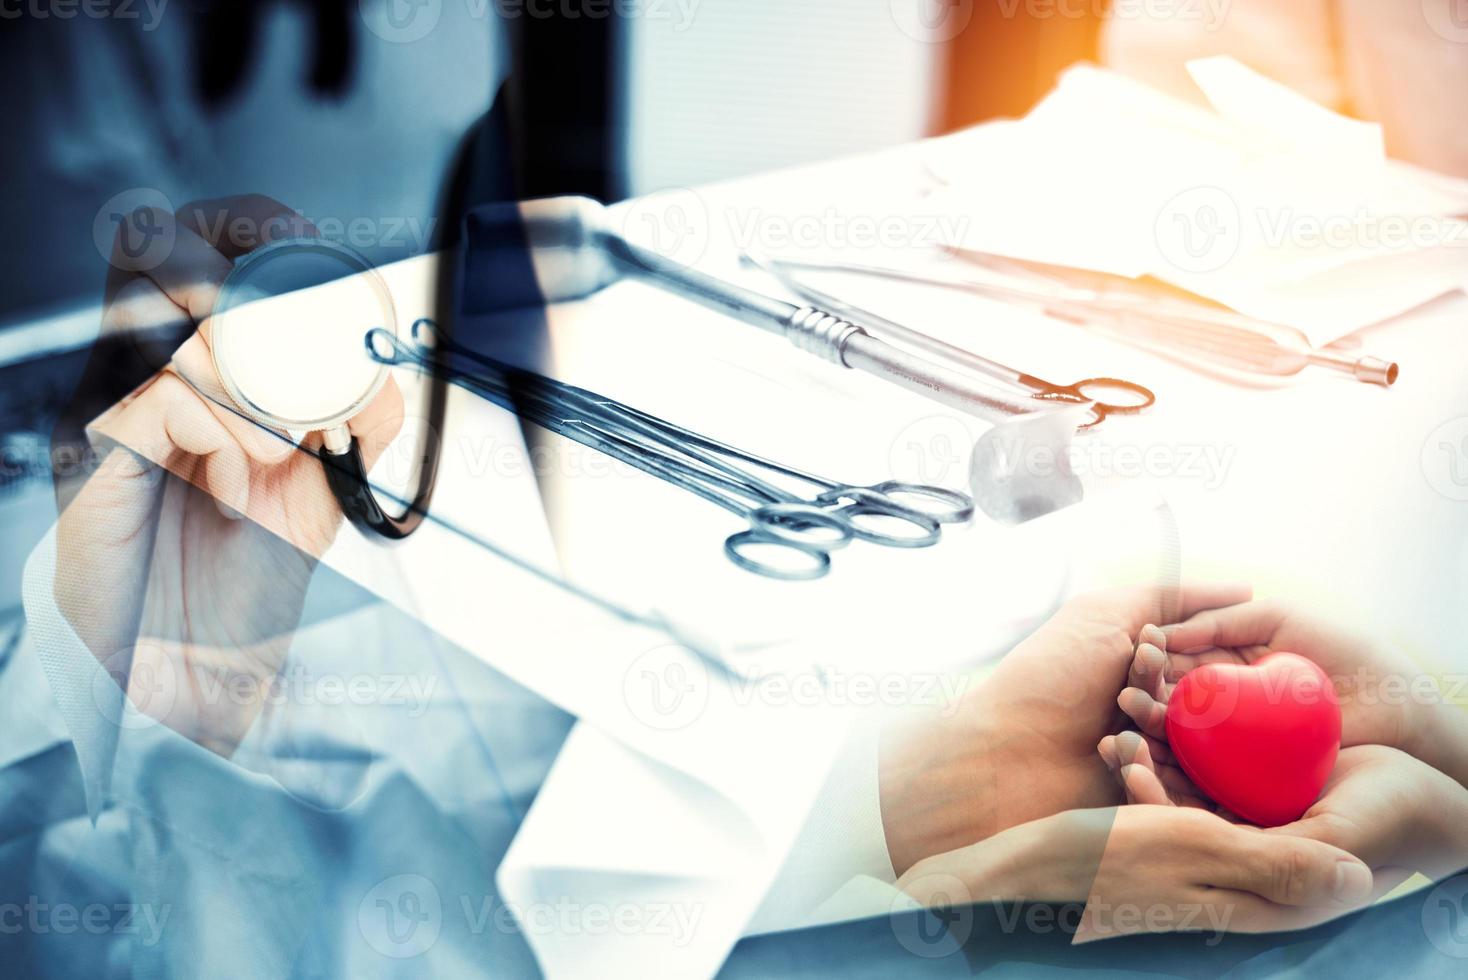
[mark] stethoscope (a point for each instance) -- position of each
(328, 379)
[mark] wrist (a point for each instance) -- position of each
(937, 783)
(1023, 863)
(1437, 734)
(1441, 827)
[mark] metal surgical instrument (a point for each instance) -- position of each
(1166, 324)
(779, 519)
(577, 252)
(1088, 391)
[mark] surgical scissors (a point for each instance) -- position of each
(1085, 391)
(694, 462)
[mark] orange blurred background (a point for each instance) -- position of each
(1004, 63)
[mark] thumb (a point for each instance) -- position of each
(1290, 870)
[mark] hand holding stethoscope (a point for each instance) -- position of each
(325, 388)
(154, 569)
(248, 436)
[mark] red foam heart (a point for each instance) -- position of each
(1261, 739)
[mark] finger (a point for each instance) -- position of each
(192, 272)
(227, 480)
(1161, 752)
(194, 429)
(1235, 626)
(1162, 757)
(1142, 786)
(1149, 666)
(1285, 870)
(170, 425)
(194, 269)
(144, 313)
(1137, 772)
(1149, 716)
(1180, 788)
(1234, 911)
(1107, 750)
(1195, 597)
(1131, 750)
(1179, 664)
(193, 363)
(235, 225)
(1166, 604)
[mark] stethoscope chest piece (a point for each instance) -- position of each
(287, 339)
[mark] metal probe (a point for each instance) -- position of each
(576, 253)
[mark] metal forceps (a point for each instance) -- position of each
(1091, 392)
(779, 519)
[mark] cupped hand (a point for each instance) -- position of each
(1021, 744)
(1151, 869)
(1396, 813)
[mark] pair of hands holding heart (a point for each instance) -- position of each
(1393, 796)
(1010, 799)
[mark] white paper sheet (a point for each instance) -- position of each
(1268, 203)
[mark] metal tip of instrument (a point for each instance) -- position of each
(1373, 370)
